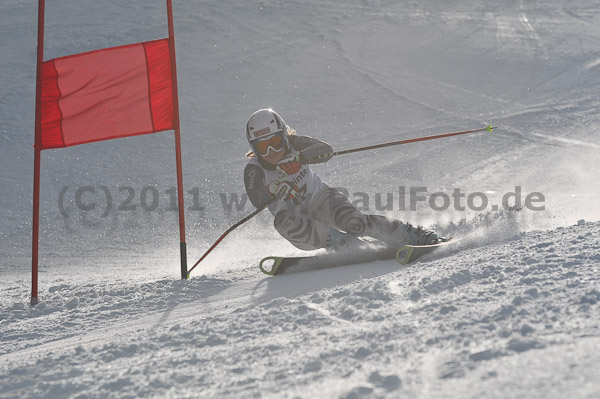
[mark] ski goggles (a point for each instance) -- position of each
(264, 146)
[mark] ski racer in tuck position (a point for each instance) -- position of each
(309, 213)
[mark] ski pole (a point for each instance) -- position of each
(244, 220)
(489, 128)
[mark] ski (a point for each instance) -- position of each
(410, 253)
(276, 265)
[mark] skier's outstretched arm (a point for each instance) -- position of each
(256, 186)
(310, 147)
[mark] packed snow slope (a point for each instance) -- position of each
(512, 314)
(511, 320)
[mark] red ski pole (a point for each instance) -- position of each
(235, 226)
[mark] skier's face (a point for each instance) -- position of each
(274, 157)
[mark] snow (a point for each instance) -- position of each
(511, 312)
(499, 320)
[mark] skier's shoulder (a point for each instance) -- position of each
(311, 147)
(253, 167)
(303, 142)
(299, 140)
(252, 162)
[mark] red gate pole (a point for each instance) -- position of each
(182, 245)
(37, 156)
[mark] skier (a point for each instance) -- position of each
(309, 213)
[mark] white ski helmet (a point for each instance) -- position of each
(265, 125)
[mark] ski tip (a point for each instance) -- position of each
(490, 128)
(269, 268)
(404, 254)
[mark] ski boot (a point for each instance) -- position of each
(337, 240)
(420, 236)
